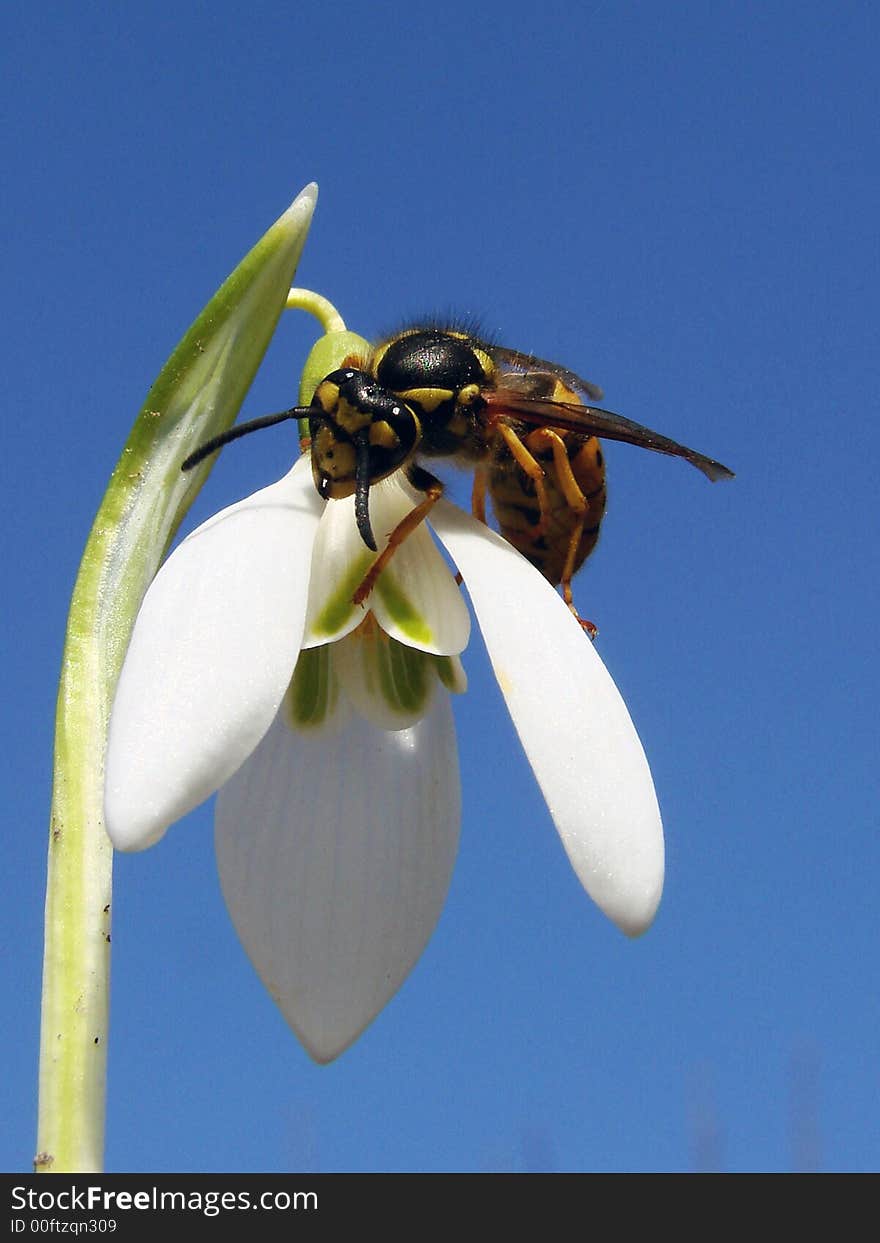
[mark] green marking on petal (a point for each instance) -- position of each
(338, 608)
(451, 674)
(387, 682)
(403, 673)
(401, 608)
(313, 689)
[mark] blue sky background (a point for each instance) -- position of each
(680, 201)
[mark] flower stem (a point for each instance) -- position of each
(197, 395)
(322, 308)
(73, 1045)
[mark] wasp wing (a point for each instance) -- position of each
(570, 417)
(529, 362)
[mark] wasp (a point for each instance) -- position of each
(521, 422)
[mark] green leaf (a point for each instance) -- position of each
(197, 394)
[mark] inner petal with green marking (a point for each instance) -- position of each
(415, 599)
(385, 681)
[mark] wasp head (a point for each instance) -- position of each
(361, 433)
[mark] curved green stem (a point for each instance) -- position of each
(322, 308)
(197, 395)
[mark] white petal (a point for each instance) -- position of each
(340, 559)
(416, 599)
(388, 682)
(213, 648)
(335, 861)
(571, 719)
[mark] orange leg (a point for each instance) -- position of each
(478, 495)
(545, 437)
(404, 528)
(589, 628)
(478, 504)
(530, 467)
(568, 568)
(565, 582)
(577, 502)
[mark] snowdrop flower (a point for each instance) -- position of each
(328, 730)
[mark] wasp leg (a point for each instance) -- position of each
(478, 496)
(478, 506)
(567, 572)
(433, 490)
(568, 568)
(530, 466)
(545, 437)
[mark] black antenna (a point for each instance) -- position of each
(243, 429)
